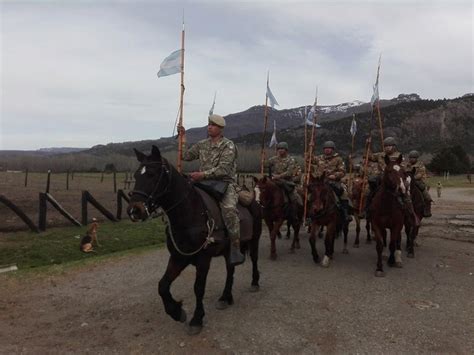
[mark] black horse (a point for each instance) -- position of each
(190, 232)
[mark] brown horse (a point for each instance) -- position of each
(386, 212)
(190, 233)
(356, 194)
(276, 211)
(323, 212)
(412, 229)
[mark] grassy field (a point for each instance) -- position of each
(453, 181)
(61, 245)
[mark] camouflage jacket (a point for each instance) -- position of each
(380, 158)
(332, 165)
(285, 167)
(420, 173)
(218, 161)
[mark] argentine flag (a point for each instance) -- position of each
(274, 141)
(171, 64)
(309, 118)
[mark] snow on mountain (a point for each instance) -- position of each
(340, 107)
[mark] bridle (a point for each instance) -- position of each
(151, 202)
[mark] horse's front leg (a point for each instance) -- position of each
(253, 250)
(357, 240)
(312, 241)
(202, 269)
(276, 229)
(367, 228)
(345, 230)
(296, 224)
(173, 308)
(329, 243)
(227, 299)
(379, 247)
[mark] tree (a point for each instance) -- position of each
(453, 159)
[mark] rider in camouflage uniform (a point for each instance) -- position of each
(390, 150)
(332, 164)
(284, 169)
(218, 161)
(420, 177)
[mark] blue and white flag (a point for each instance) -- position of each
(274, 141)
(353, 126)
(171, 64)
(273, 101)
(309, 118)
(211, 111)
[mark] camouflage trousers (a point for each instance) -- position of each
(230, 214)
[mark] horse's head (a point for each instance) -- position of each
(264, 190)
(152, 180)
(394, 175)
(320, 194)
(356, 191)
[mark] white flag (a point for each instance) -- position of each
(171, 64)
(375, 95)
(353, 126)
(273, 101)
(274, 141)
(211, 111)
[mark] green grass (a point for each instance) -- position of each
(454, 181)
(61, 245)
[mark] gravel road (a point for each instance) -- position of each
(113, 306)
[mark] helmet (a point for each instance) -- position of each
(217, 120)
(414, 154)
(282, 145)
(389, 141)
(329, 144)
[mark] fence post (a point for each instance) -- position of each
(42, 212)
(72, 175)
(67, 180)
(115, 181)
(84, 208)
(102, 177)
(48, 181)
(26, 177)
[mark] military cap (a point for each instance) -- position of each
(389, 141)
(282, 145)
(329, 144)
(217, 120)
(414, 154)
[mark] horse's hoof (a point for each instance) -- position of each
(182, 317)
(355, 246)
(254, 288)
(273, 256)
(194, 329)
(316, 259)
(221, 305)
(325, 262)
(345, 251)
(398, 264)
(379, 273)
(410, 255)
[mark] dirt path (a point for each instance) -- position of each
(113, 307)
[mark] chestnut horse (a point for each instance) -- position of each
(386, 212)
(356, 194)
(275, 212)
(189, 233)
(323, 212)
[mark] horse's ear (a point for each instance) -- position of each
(155, 152)
(400, 159)
(386, 158)
(255, 180)
(140, 156)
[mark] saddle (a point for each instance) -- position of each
(214, 213)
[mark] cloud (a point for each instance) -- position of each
(86, 73)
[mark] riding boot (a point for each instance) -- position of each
(236, 257)
(426, 204)
(345, 211)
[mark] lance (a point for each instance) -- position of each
(180, 122)
(351, 163)
(305, 141)
(376, 103)
(310, 157)
(265, 121)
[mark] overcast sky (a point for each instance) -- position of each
(80, 73)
